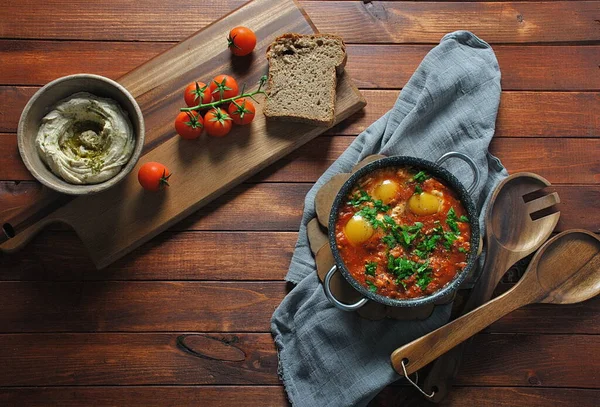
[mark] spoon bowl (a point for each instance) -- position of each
(576, 283)
(510, 219)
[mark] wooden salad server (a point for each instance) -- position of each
(566, 270)
(511, 234)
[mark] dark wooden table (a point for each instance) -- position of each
(184, 320)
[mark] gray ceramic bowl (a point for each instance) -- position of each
(46, 98)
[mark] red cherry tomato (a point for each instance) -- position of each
(153, 176)
(241, 41)
(196, 93)
(223, 87)
(217, 122)
(189, 125)
(242, 111)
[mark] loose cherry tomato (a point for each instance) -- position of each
(196, 93)
(153, 176)
(189, 125)
(241, 41)
(217, 122)
(242, 111)
(223, 87)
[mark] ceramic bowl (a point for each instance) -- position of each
(45, 99)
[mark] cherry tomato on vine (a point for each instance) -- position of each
(189, 125)
(241, 41)
(196, 93)
(223, 87)
(153, 176)
(242, 111)
(217, 122)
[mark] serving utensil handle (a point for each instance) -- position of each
(425, 349)
(469, 161)
(337, 303)
(13, 239)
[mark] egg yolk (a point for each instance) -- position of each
(358, 230)
(386, 191)
(424, 204)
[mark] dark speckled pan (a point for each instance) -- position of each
(443, 175)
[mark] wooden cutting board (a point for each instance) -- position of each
(120, 219)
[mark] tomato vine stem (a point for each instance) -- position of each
(250, 95)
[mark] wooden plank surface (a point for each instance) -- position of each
(239, 358)
(184, 282)
(521, 114)
(523, 68)
(278, 207)
(356, 21)
(554, 160)
(272, 396)
(213, 306)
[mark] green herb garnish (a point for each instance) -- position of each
(359, 198)
(462, 250)
(370, 268)
(372, 286)
(463, 218)
(418, 189)
(421, 176)
(451, 221)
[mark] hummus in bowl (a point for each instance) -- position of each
(81, 134)
(85, 139)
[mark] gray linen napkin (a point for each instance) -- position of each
(329, 357)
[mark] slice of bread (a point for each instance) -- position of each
(303, 77)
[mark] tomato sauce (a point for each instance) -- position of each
(405, 240)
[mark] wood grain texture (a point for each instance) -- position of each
(198, 255)
(246, 358)
(532, 67)
(146, 396)
(138, 359)
(274, 396)
(109, 306)
(554, 159)
(493, 397)
(138, 306)
(356, 21)
(418, 22)
(278, 207)
(521, 114)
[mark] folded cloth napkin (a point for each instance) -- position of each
(329, 357)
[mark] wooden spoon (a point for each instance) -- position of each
(566, 270)
(511, 235)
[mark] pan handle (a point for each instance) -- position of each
(468, 160)
(335, 301)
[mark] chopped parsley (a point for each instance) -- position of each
(404, 268)
(359, 198)
(372, 286)
(418, 189)
(421, 176)
(450, 238)
(463, 218)
(462, 250)
(370, 214)
(451, 221)
(370, 268)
